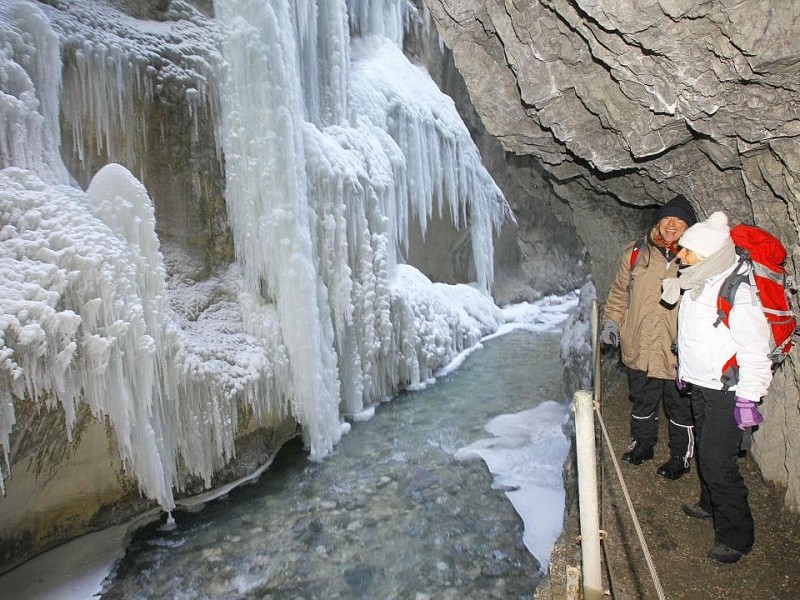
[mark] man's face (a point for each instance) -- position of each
(671, 228)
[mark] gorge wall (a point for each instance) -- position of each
(228, 223)
(587, 114)
(624, 105)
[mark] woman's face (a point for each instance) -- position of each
(671, 228)
(689, 257)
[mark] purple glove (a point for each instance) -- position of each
(679, 383)
(746, 414)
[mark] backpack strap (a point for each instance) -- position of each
(636, 251)
(730, 373)
(727, 292)
(725, 299)
(636, 254)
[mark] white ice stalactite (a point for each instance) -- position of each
(346, 168)
(266, 193)
(84, 318)
(83, 295)
(116, 68)
(147, 383)
(108, 84)
(30, 83)
(385, 18)
(333, 148)
(321, 31)
(401, 154)
(442, 164)
(429, 328)
(219, 365)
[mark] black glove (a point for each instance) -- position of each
(610, 333)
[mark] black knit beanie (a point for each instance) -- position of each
(678, 207)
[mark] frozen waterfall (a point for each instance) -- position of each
(334, 147)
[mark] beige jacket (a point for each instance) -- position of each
(647, 327)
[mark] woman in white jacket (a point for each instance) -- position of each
(721, 413)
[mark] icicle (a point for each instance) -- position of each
(379, 17)
(74, 263)
(323, 52)
(442, 164)
(169, 523)
(30, 83)
(268, 202)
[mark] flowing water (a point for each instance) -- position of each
(390, 515)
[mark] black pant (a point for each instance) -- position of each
(723, 492)
(647, 394)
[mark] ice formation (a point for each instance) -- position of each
(30, 134)
(334, 146)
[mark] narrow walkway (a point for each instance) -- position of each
(677, 543)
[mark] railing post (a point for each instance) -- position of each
(597, 369)
(588, 499)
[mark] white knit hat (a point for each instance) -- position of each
(706, 237)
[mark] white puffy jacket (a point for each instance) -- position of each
(704, 349)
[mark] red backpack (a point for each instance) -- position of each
(761, 264)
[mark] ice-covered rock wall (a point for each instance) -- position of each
(204, 218)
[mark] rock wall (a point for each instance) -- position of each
(625, 105)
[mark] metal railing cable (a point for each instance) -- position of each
(597, 395)
(647, 557)
(612, 583)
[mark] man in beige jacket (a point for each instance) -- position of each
(646, 328)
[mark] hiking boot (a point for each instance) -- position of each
(695, 511)
(724, 554)
(636, 454)
(673, 469)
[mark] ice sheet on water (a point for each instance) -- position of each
(545, 314)
(526, 456)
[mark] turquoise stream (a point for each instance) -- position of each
(390, 515)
